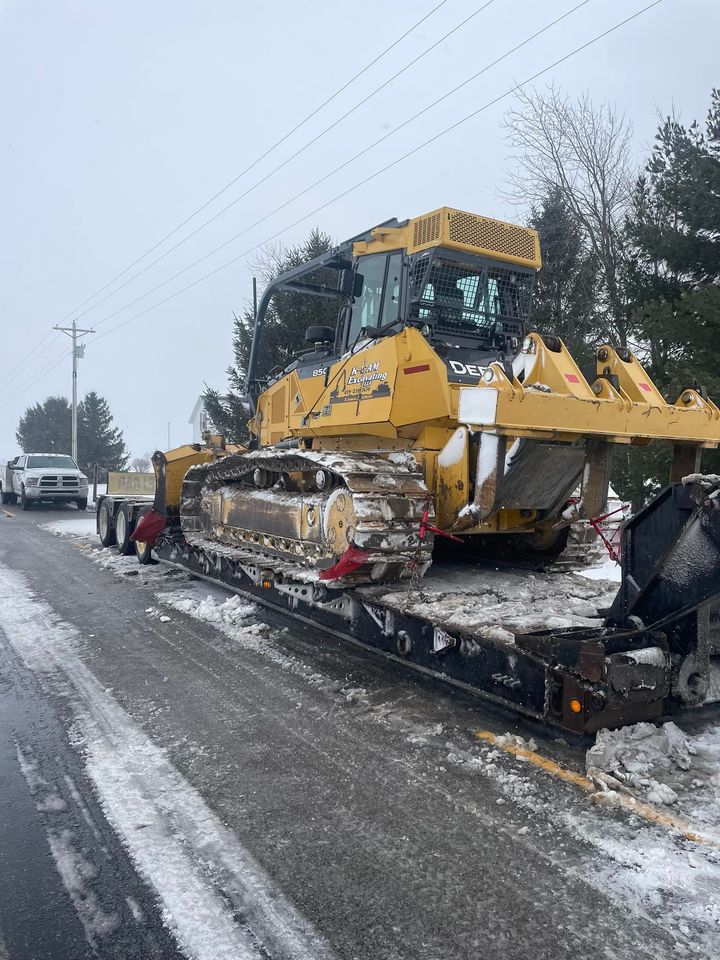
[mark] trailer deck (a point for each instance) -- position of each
(573, 653)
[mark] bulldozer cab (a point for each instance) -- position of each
(464, 281)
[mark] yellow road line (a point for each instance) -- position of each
(618, 799)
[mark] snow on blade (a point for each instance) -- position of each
(453, 451)
(203, 876)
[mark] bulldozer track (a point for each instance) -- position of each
(364, 501)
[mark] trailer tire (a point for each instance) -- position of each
(24, 502)
(106, 530)
(143, 551)
(123, 529)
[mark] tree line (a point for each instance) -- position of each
(630, 256)
(47, 428)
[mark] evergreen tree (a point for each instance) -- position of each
(287, 319)
(674, 277)
(98, 440)
(46, 427)
(563, 303)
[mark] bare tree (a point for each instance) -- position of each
(141, 464)
(582, 151)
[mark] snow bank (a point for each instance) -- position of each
(109, 559)
(238, 620)
(665, 764)
(78, 525)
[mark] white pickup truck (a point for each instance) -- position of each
(32, 477)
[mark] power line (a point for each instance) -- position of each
(23, 364)
(262, 156)
(346, 163)
(377, 173)
(38, 376)
(390, 165)
(289, 159)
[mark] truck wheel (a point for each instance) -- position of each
(5, 498)
(142, 550)
(82, 504)
(24, 502)
(106, 530)
(13, 498)
(123, 529)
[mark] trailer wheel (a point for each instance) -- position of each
(24, 502)
(142, 550)
(106, 530)
(123, 529)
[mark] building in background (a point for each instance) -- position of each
(199, 420)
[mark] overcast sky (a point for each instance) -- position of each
(121, 118)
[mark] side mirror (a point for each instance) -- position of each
(351, 284)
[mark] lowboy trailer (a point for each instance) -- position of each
(657, 651)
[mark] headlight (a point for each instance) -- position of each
(82, 481)
(32, 481)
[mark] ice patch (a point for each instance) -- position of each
(77, 875)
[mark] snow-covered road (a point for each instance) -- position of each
(286, 796)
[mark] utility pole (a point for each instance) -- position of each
(78, 351)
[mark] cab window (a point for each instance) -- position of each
(379, 302)
(391, 303)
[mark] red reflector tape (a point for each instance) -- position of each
(572, 378)
(421, 368)
(646, 387)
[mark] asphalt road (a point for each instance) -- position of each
(303, 800)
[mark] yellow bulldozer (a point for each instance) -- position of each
(428, 409)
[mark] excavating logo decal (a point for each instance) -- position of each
(364, 382)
